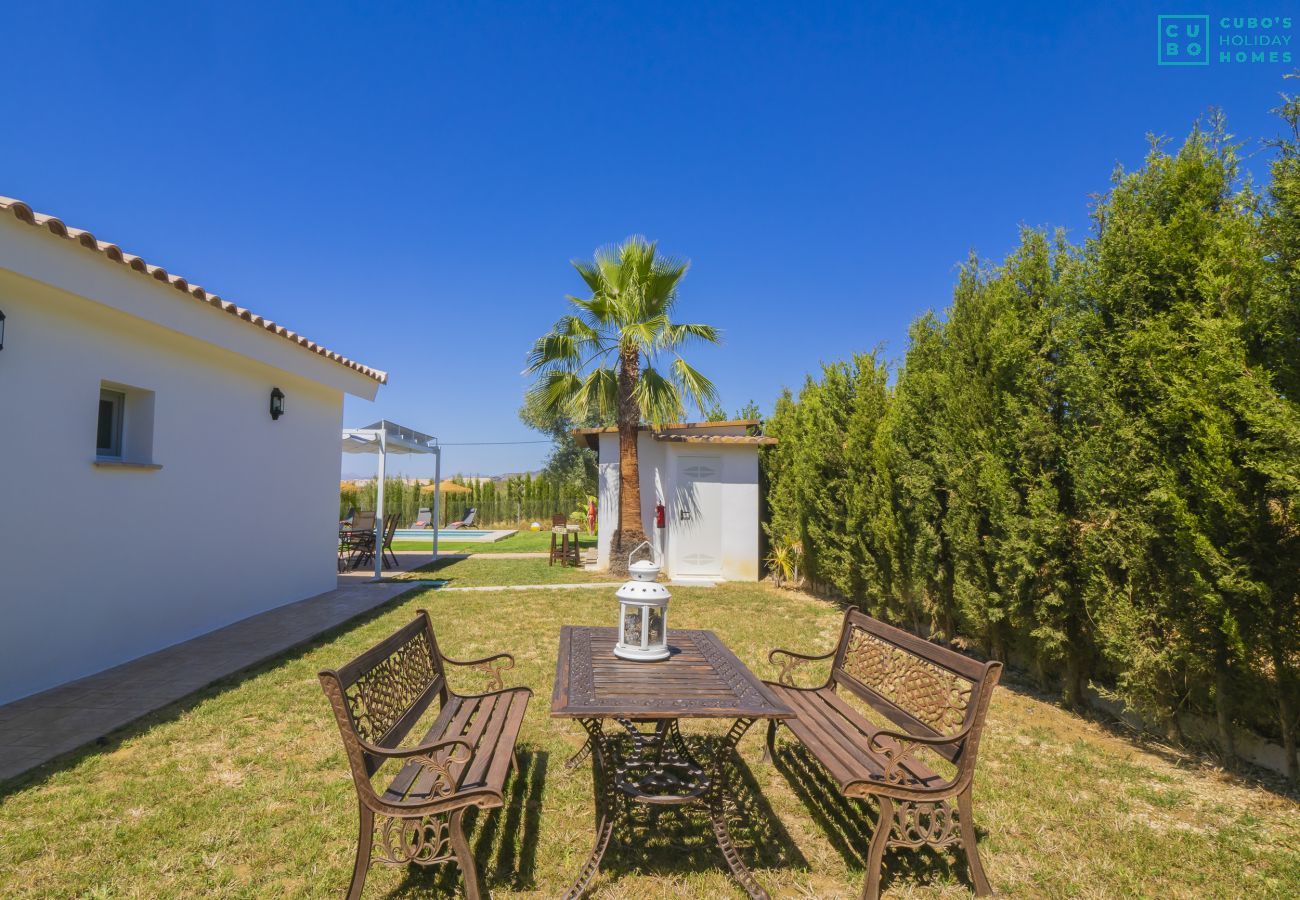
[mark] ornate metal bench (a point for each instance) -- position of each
(936, 697)
(462, 761)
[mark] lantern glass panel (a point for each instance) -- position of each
(631, 625)
(655, 633)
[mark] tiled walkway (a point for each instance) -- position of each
(38, 728)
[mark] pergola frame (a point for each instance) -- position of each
(384, 437)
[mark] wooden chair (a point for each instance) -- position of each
(463, 760)
(935, 697)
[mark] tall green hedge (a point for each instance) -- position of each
(513, 503)
(1091, 462)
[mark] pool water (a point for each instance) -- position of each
(455, 534)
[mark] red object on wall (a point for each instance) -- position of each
(659, 515)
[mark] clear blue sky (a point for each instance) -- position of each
(406, 183)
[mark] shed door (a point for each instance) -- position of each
(696, 522)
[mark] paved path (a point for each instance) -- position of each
(414, 559)
(513, 554)
(410, 560)
(38, 728)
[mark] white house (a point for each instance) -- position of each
(147, 493)
(706, 476)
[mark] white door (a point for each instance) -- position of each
(696, 517)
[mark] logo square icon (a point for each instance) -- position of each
(1183, 40)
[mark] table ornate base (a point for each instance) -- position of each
(657, 768)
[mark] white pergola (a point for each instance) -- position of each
(383, 438)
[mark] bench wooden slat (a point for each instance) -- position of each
(400, 787)
(504, 755)
(810, 728)
(483, 716)
(466, 725)
(857, 730)
(486, 752)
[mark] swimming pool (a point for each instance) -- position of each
(469, 535)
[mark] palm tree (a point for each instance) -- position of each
(599, 361)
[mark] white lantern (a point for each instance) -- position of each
(643, 613)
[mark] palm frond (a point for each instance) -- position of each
(596, 309)
(661, 285)
(701, 391)
(675, 335)
(598, 394)
(644, 333)
(613, 275)
(555, 391)
(586, 337)
(659, 398)
(555, 348)
(591, 274)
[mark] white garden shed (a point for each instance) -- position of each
(706, 476)
(170, 460)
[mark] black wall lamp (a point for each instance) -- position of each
(2, 329)
(277, 403)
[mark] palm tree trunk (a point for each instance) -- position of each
(630, 531)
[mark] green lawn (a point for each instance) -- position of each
(482, 570)
(519, 542)
(242, 791)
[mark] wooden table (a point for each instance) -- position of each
(701, 680)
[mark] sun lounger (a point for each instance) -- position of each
(465, 522)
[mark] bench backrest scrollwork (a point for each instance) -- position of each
(379, 696)
(923, 688)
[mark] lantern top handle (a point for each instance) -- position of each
(635, 550)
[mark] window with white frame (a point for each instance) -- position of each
(124, 430)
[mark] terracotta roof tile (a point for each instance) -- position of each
(24, 213)
(760, 439)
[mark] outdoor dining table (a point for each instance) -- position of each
(644, 756)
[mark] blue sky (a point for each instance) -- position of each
(406, 183)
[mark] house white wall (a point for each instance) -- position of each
(657, 461)
(100, 565)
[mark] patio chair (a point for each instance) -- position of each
(390, 529)
(465, 522)
(424, 518)
(360, 539)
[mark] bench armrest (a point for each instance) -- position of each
(428, 757)
(792, 662)
(901, 745)
(489, 666)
